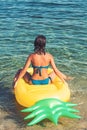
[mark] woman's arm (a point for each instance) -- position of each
(23, 71)
(62, 76)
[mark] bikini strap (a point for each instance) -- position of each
(39, 68)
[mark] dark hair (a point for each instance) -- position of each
(39, 44)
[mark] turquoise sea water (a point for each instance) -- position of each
(63, 22)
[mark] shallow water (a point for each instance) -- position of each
(65, 26)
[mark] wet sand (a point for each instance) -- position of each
(12, 119)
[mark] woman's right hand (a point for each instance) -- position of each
(14, 82)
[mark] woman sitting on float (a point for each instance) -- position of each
(40, 61)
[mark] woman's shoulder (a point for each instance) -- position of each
(48, 54)
(32, 54)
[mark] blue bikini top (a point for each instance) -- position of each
(39, 68)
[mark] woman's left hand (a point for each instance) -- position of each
(69, 78)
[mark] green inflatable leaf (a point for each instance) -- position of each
(51, 109)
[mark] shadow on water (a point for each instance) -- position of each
(9, 105)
